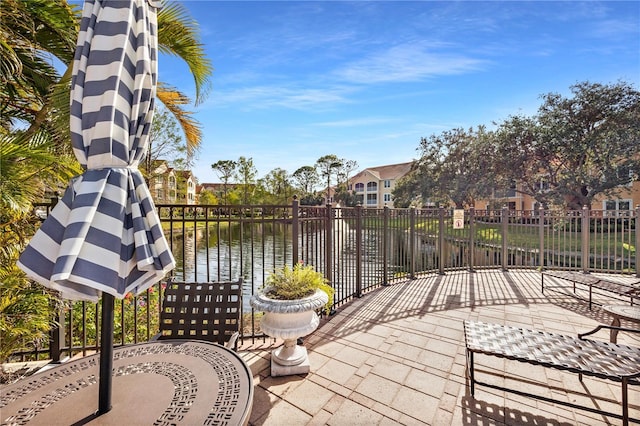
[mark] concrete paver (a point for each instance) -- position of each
(396, 357)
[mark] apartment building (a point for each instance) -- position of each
(162, 183)
(186, 187)
(373, 186)
(626, 199)
(170, 186)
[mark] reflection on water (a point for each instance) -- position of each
(228, 251)
(251, 250)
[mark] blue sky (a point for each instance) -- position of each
(365, 80)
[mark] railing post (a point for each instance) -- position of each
(328, 249)
(472, 238)
(584, 232)
(637, 228)
(412, 243)
(359, 250)
(541, 213)
(505, 229)
(385, 246)
(295, 229)
(441, 240)
(56, 334)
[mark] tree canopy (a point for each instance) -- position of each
(572, 150)
(575, 148)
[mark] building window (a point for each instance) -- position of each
(617, 207)
(387, 183)
(511, 192)
(372, 186)
(372, 199)
(359, 187)
(387, 197)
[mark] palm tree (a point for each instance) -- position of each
(37, 38)
(37, 32)
(326, 166)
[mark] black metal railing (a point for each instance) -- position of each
(358, 249)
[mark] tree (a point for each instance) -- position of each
(226, 170)
(34, 97)
(33, 92)
(25, 308)
(246, 174)
(327, 165)
(342, 194)
(306, 178)
(277, 183)
(207, 198)
(178, 36)
(575, 148)
(166, 143)
(454, 166)
(466, 174)
(344, 170)
(406, 192)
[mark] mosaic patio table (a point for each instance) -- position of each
(163, 382)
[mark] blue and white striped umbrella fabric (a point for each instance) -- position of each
(105, 235)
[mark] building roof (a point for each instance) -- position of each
(392, 171)
(217, 186)
(186, 174)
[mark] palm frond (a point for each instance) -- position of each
(178, 36)
(172, 99)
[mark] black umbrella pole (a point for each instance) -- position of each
(106, 354)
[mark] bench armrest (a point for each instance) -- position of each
(608, 327)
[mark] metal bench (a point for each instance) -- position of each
(620, 291)
(605, 360)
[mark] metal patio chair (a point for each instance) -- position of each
(207, 311)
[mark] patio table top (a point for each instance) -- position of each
(162, 382)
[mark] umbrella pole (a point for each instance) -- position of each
(106, 354)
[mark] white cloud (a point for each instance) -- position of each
(258, 97)
(408, 63)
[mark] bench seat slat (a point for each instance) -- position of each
(630, 290)
(589, 357)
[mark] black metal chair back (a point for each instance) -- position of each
(203, 311)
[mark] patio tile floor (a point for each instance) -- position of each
(396, 356)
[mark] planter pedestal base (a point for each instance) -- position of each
(279, 369)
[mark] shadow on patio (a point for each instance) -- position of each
(397, 356)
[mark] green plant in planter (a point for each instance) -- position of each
(297, 283)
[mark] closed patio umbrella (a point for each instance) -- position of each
(104, 236)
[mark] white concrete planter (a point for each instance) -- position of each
(288, 320)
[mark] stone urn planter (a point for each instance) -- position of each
(290, 302)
